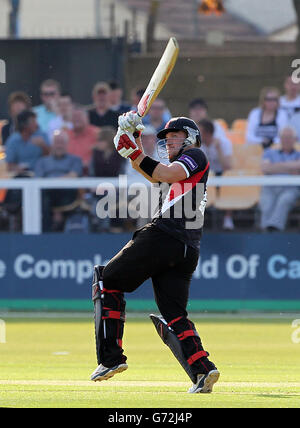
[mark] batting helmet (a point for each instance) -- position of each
(182, 124)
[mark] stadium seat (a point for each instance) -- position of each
(239, 125)
(236, 137)
(223, 123)
(238, 197)
(247, 156)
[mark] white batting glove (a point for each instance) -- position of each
(131, 122)
(125, 145)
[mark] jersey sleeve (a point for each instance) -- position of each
(192, 161)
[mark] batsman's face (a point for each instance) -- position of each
(174, 141)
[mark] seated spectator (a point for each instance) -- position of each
(83, 136)
(106, 161)
(64, 119)
(156, 116)
(17, 102)
(218, 152)
(219, 155)
(277, 201)
(58, 164)
(25, 146)
(290, 101)
(198, 110)
(266, 121)
(49, 92)
(116, 98)
(102, 114)
(23, 149)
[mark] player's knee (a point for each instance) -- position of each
(110, 276)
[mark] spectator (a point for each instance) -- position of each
(64, 119)
(290, 101)
(83, 136)
(156, 115)
(25, 146)
(58, 164)
(219, 155)
(198, 110)
(17, 102)
(116, 98)
(277, 201)
(102, 114)
(218, 152)
(266, 121)
(106, 162)
(136, 95)
(49, 92)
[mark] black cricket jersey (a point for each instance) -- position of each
(181, 205)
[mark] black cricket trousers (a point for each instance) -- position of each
(152, 253)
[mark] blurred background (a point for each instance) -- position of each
(69, 69)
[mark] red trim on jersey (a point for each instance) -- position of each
(178, 189)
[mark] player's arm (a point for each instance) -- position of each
(128, 147)
(135, 165)
(159, 171)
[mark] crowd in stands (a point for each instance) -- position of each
(60, 138)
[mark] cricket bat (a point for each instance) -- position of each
(159, 77)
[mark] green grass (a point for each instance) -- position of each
(47, 363)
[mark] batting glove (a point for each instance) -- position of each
(131, 122)
(125, 144)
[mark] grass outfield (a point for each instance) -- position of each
(47, 363)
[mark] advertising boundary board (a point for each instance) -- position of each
(236, 272)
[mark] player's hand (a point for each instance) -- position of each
(131, 122)
(125, 145)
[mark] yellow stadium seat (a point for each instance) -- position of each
(236, 137)
(238, 197)
(247, 156)
(223, 123)
(239, 125)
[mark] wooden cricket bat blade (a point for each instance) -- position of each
(159, 77)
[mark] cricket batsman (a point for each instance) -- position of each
(165, 250)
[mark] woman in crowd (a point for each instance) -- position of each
(266, 121)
